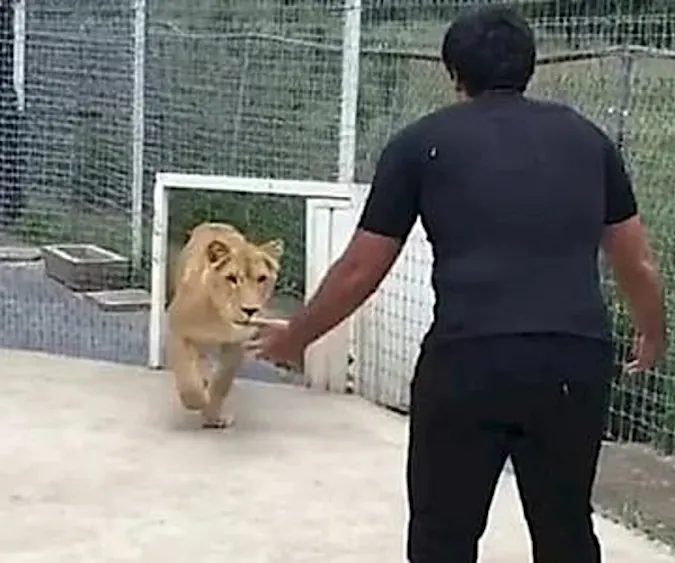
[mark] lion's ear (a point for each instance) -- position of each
(216, 250)
(273, 248)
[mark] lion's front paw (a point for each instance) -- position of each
(218, 423)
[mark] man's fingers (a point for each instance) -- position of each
(638, 365)
(252, 344)
(631, 367)
(262, 322)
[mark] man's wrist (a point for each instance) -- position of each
(657, 336)
(298, 330)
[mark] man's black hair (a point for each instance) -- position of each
(491, 48)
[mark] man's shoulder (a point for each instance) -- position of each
(419, 131)
(554, 106)
(442, 117)
(566, 113)
(455, 117)
(457, 114)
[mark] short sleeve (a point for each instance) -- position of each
(392, 205)
(620, 203)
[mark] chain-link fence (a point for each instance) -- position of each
(66, 153)
(90, 89)
(619, 70)
(236, 88)
(254, 93)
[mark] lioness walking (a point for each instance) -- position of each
(221, 284)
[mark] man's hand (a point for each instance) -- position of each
(647, 352)
(347, 284)
(277, 344)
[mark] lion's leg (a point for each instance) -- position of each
(186, 362)
(230, 358)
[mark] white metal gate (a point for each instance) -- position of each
(329, 217)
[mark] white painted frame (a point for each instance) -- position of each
(330, 221)
(329, 226)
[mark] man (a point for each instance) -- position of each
(516, 197)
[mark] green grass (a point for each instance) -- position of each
(261, 107)
(643, 408)
(223, 104)
(43, 223)
(261, 218)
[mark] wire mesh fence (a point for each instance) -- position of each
(606, 85)
(243, 102)
(254, 88)
(66, 156)
(79, 82)
(251, 89)
(617, 70)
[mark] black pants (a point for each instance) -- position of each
(540, 399)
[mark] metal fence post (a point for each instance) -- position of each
(621, 111)
(351, 51)
(20, 52)
(241, 101)
(351, 59)
(625, 97)
(138, 137)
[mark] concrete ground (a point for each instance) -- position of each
(99, 465)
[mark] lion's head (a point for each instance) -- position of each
(240, 276)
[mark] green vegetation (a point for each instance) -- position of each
(227, 92)
(643, 408)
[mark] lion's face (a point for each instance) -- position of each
(241, 277)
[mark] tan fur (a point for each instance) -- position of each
(221, 282)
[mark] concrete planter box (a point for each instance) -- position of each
(86, 267)
(120, 300)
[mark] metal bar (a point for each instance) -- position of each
(138, 138)
(351, 49)
(625, 97)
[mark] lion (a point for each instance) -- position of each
(221, 285)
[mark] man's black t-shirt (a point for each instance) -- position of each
(514, 195)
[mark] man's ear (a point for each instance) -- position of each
(216, 250)
(273, 248)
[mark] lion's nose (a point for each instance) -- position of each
(249, 311)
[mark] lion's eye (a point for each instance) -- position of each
(262, 278)
(232, 279)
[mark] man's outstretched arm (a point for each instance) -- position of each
(388, 216)
(347, 284)
(631, 257)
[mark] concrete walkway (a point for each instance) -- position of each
(98, 465)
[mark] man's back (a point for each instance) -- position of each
(512, 196)
(516, 196)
